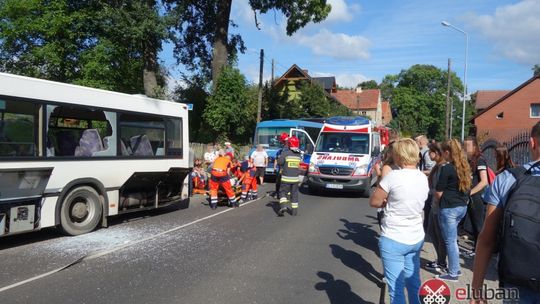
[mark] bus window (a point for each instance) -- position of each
(174, 137)
(18, 128)
(141, 135)
(80, 132)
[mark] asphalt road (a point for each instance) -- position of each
(327, 254)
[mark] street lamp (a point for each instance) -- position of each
(446, 23)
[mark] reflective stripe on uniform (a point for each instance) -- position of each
(290, 179)
(283, 200)
(294, 205)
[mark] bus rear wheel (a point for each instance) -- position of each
(81, 211)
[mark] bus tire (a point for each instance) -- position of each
(81, 211)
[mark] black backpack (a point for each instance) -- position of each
(519, 252)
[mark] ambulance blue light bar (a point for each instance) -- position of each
(348, 120)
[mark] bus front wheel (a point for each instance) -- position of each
(81, 211)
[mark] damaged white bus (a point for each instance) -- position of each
(71, 156)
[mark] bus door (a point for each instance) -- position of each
(307, 145)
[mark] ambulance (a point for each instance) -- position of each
(345, 154)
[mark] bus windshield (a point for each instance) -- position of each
(343, 143)
(269, 136)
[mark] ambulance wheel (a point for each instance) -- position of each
(80, 211)
(367, 193)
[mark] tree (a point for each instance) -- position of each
(231, 109)
(418, 95)
(201, 32)
(311, 102)
(368, 85)
(105, 44)
(536, 69)
(194, 91)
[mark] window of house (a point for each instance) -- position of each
(18, 128)
(535, 110)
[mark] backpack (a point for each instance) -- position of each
(519, 250)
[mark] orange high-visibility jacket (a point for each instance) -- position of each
(221, 164)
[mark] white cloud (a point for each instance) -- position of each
(336, 45)
(242, 10)
(341, 11)
(347, 80)
(514, 30)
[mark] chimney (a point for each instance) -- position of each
(358, 89)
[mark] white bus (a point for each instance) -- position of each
(71, 156)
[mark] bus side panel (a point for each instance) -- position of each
(48, 210)
(114, 200)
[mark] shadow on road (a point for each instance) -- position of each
(338, 291)
(361, 234)
(355, 261)
(274, 205)
(46, 234)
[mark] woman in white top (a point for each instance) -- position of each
(402, 194)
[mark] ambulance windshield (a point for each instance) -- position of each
(355, 143)
(270, 136)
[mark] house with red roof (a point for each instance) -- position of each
(484, 98)
(516, 111)
(365, 103)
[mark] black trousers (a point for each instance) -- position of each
(285, 188)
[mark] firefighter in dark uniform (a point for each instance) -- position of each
(289, 162)
(283, 138)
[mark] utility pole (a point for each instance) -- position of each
(357, 104)
(259, 106)
(273, 68)
(448, 108)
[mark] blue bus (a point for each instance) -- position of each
(267, 134)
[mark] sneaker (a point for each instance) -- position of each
(468, 254)
(445, 271)
(447, 277)
(433, 266)
(281, 211)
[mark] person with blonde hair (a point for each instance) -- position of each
(402, 194)
(452, 193)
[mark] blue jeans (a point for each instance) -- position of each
(449, 219)
(401, 265)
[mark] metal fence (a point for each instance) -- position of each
(518, 148)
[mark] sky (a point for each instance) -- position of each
(365, 39)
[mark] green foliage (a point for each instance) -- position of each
(419, 96)
(311, 102)
(367, 85)
(194, 91)
(93, 43)
(231, 109)
(196, 25)
(536, 70)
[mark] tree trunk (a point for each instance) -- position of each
(220, 52)
(150, 70)
(150, 47)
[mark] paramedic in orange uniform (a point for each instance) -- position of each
(220, 178)
(249, 183)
